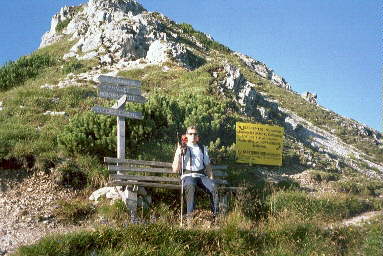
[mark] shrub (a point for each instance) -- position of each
(61, 25)
(202, 38)
(163, 116)
(74, 211)
(15, 73)
(69, 174)
(72, 66)
(218, 153)
(321, 176)
(89, 134)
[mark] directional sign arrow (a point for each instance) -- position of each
(120, 103)
(118, 95)
(119, 89)
(117, 112)
(118, 81)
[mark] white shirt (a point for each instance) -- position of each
(197, 160)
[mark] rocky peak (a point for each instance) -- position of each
(126, 6)
(114, 31)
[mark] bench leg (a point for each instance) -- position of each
(223, 202)
(130, 200)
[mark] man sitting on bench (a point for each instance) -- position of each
(196, 166)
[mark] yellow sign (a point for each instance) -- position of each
(259, 143)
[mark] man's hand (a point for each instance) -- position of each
(209, 172)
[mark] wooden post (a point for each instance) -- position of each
(120, 105)
(120, 137)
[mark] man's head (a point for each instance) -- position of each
(192, 134)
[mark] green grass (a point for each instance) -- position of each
(57, 49)
(74, 211)
(360, 185)
(159, 239)
(327, 208)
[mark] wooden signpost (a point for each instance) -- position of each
(124, 90)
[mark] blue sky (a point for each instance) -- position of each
(329, 47)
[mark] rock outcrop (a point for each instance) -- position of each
(310, 97)
(263, 71)
(253, 103)
(114, 31)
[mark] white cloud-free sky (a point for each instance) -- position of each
(328, 47)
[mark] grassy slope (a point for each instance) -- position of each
(266, 225)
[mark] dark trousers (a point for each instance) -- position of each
(207, 185)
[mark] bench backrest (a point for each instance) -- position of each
(151, 173)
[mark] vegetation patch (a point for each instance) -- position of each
(360, 186)
(328, 207)
(207, 42)
(74, 211)
(15, 73)
(61, 25)
(115, 212)
(322, 176)
(73, 66)
(69, 174)
(93, 134)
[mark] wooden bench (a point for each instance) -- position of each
(139, 173)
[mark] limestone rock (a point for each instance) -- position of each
(265, 72)
(88, 56)
(119, 28)
(117, 32)
(108, 192)
(253, 103)
(54, 113)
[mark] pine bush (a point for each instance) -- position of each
(164, 115)
(14, 73)
(89, 134)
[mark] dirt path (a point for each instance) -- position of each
(361, 219)
(26, 205)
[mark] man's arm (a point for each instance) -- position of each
(209, 168)
(176, 166)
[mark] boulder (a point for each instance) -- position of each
(108, 192)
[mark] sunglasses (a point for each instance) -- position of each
(196, 134)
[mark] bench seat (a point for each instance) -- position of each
(151, 173)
